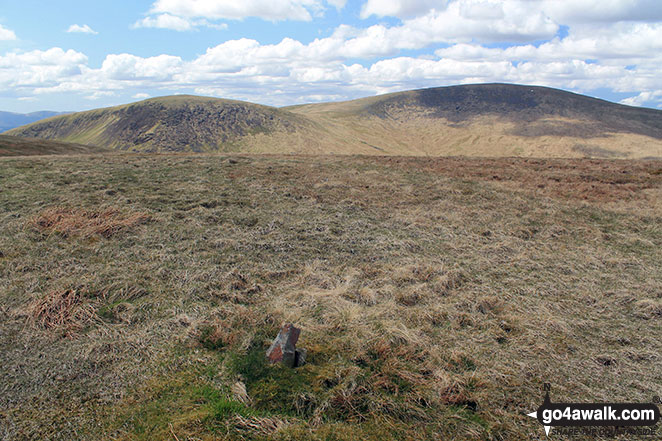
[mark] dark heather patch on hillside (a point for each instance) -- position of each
(525, 104)
(196, 126)
(154, 126)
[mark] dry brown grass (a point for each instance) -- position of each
(257, 426)
(590, 180)
(64, 311)
(434, 298)
(14, 146)
(67, 221)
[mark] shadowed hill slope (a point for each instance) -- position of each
(495, 120)
(525, 104)
(177, 123)
(15, 146)
(467, 120)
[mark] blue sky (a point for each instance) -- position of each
(77, 55)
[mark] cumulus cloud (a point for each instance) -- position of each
(621, 43)
(338, 4)
(265, 9)
(126, 67)
(455, 21)
(400, 8)
(601, 11)
(288, 72)
(37, 69)
(652, 96)
(566, 11)
(165, 21)
(6, 34)
(623, 55)
(99, 94)
(84, 29)
(186, 15)
(175, 23)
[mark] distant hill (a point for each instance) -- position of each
(467, 120)
(176, 123)
(10, 120)
(528, 105)
(15, 146)
(495, 120)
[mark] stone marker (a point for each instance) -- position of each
(284, 347)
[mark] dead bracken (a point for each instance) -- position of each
(86, 223)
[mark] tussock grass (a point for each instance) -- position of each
(434, 299)
(65, 311)
(85, 223)
(257, 426)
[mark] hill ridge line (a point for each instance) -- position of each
(494, 119)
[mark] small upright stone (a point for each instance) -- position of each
(283, 349)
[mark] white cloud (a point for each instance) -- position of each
(288, 72)
(338, 4)
(186, 15)
(652, 96)
(623, 56)
(84, 29)
(219, 9)
(6, 34)
(141, 96)
(165, 21)
(99, 94)
(595, 11)
(481, 20)
(458, 21)
(38, 69)
(623, 43)
(563, 11)
(175, 23)
(126, 67)
(400, 8)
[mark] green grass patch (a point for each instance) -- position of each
(275, 388)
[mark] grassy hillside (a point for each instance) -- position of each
(494, 120)
(513, 103)
(139, 293)
(478, 120)
(177, 123)
(15, 146)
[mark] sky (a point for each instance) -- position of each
(71, 55)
